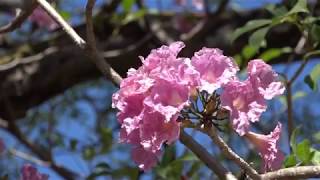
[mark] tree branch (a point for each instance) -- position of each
(20, 17)
(66, 27)
(228, 152)
(44, 155)
(293, 172)
(96, 56)
(205, 157)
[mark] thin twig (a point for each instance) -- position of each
(297, 50)
(43, 154)
(20, 17)
(96, 56)
(228, 152)
(66, 27)
(205, 157)
(302, 172)
(29, 157)
(303, 64)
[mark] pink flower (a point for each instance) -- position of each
(246, 100)
(264, 79)
(40, 17)
(150, 100)
(155, 130)
(268, 146)
(244, 103)
(30, 173)
(215, 69)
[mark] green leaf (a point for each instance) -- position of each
(103, 165)
(258, 37)
(127, 5)
(290, 161)
(169, 155)
(65, 14)
(133, 16)
(293, 139)
(238, 59)
(188, 157)
(315, 33)
(130, 172)
(276, 11)
(106, 139)
(304, 151)
(173, 169)
(299, 94)
(73, 144)
(313, 78)
(316, 158)
(251, 25)
(88, 153)
(274, 53)
(316, 137)
(249, 51)
(299, 7)
(101, 169)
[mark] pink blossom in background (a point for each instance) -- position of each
(198, 4)
(215, 69)
(182, 23)
(268, 146)
(31, 173)
(244, 103)
(43, 20)
(2, 146)
(150, 100)
(264, 79)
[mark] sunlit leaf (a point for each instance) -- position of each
(313, 78)
(316, 158)
(258, 37)
(304, 151)
(299, 94)
(249, 51)
(133, 16)
(276, 11)
(293, 139)
(88, 153)
(127, 5)
(290, 161)
(274, 53)
(300, 7)
(251, 25)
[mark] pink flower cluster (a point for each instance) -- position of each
(150, 100)
(151, 97)
(43, 20)
(30, 173)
